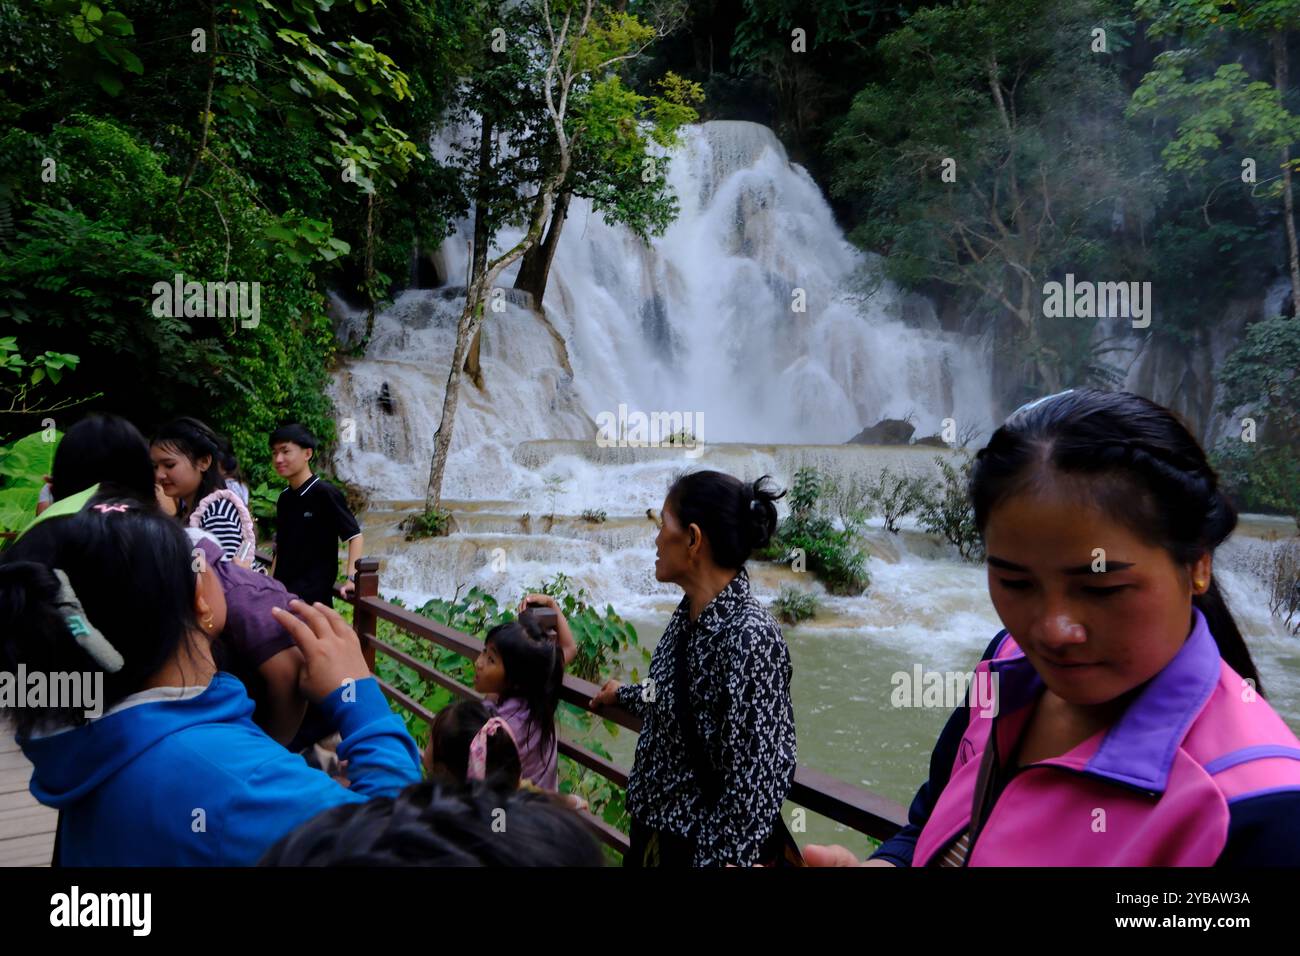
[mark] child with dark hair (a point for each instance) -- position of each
(164, 766)
(187, 463)
(1120, 679)
(99, 450)
(520, 671)
(437, 824)
(467, 743)
(312, 517)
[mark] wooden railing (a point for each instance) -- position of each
(842, 802)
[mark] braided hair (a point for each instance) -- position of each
(1154, 478)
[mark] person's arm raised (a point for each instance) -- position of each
(564, 633)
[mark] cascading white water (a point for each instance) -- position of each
(752, 315)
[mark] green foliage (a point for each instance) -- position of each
(93, 244)
(24, 464)
(794, 605)
(605, 799)
(594, 515)
(602, 638)
(947, 510)
(833, 555)
(474, 614)
(1261, 382)
(1008, 99)
(22, 377)
(1263, 373)
(263, 503)
(895, 495)
(434, 523)
(277, 147)
(1264, 477)
(1227, 105)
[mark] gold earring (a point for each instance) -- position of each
(1200, 585)
(207, 622)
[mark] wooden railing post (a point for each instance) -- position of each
(363, 619)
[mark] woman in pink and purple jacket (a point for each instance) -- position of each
(1130, 727)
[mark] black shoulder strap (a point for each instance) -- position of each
(710, 786)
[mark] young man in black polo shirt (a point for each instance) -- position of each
(312, 518)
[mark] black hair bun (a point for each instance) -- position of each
(762, 495)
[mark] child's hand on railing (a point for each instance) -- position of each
(331, 650)
(605, 696)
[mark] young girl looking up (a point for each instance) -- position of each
(519, 671)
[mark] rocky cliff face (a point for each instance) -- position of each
(1179, 374)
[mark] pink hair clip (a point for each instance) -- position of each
(105, 509)
(477, 769)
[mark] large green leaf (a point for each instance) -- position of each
(17, 507)
(27, 461)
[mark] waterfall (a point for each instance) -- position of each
(752, 314)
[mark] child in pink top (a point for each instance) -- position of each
(520, 671)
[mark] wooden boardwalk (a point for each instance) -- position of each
(26, 827)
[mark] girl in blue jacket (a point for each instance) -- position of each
(150, 753)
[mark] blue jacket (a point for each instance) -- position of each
(194, 782)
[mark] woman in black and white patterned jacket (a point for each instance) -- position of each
(716, 755)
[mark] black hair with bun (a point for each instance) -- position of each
(738, 518)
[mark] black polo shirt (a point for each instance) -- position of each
(311, 521)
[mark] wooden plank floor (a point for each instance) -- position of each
(26, 827)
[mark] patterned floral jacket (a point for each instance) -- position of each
(738, 671)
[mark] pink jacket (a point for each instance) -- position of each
(1197, 771)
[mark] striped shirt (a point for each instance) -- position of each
(221, 520)
(956, 855)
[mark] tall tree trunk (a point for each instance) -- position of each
(482, 239)
(471, 319)
(370, 266)
(535, 269)
(1280, 71)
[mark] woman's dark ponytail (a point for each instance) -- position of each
(1232, 646)
(1154, 476)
